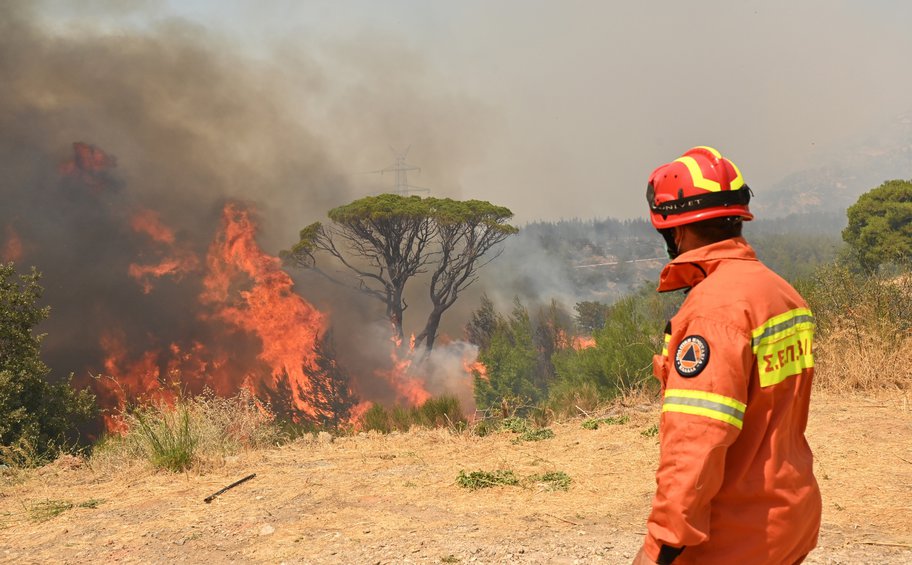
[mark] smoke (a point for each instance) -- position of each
(122, 149)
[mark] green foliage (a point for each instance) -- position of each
(843, 299)
(486, 479)
(552, 480)
(591, 315)
(535, 435)
(880, 225)
(864, 328)
(594, 423)
(511, 361)
(651, 431)
(793, 255)
(35, 415)
(377, 419)
(441, 411)
(45, 510)
(622, 356)
(515, 425)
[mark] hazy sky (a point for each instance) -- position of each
(557, 109)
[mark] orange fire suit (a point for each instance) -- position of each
(735, 483)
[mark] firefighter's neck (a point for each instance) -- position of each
(686, 239)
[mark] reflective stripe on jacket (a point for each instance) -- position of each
(735, 482)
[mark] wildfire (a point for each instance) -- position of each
(229, 319)
(408, 386)
(287, 326)
(88, 164)
(475, 368)
(12, 247)
(176, 260)
(583, 342)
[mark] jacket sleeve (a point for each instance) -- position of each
(706, 375)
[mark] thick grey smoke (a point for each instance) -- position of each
(160, 127)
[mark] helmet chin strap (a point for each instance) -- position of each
(670, 246)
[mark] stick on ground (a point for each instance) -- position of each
(212, 496)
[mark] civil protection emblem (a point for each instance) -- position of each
(691, 356)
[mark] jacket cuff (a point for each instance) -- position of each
(661, 554)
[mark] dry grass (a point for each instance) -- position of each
(864, 331)
(200, 430)
(392, 498)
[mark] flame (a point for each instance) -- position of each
(177, 260)
(583, 342)
(12, 247)
(476, 368)
(288, 327)
(409, 388)
(89, 165)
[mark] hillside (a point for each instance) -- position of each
(394, 499)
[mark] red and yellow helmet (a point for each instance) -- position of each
(699, 185)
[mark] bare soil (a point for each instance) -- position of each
(394, 499)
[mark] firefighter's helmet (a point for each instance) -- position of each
(700, 185)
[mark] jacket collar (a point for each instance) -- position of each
(688, 269)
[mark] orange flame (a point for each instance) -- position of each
(583, 342)
(178, 260)
(12, 247)
(476, 368)
(88, 165)
(287, 326)
(409, 388)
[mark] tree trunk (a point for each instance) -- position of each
(430, 329)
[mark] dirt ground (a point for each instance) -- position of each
(394, 499)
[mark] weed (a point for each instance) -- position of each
(594, 423)
(169, 439)
(553, 480)
(515, 425)
(535, 435)
(376, 418)
(486, 479)
(651, 431)
(48, 509)
(449, 559)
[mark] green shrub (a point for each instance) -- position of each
(170, 442)
(376, 418)
(553, 480)
(535, 435)
(442, 411)
(622, 356)
(38, 420)
(594, 423)
(486, 479)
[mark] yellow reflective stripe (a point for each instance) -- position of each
(700, 181)
(696, 175)
(780, 325)
(707, 404)
(665, 345)
(784, 346)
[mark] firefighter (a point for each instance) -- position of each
(735, 483)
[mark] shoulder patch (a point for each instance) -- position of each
(692, 356)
